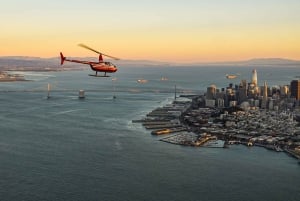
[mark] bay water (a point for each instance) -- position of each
(66, 148)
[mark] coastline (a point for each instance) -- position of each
(6, 77)
(184, 123)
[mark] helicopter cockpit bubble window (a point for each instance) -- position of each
(108, 63)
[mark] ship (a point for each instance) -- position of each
(231, 76)
(142, 81)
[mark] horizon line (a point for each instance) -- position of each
(172, 62)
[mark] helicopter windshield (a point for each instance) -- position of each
(107, 63)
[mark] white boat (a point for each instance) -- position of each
(142, 81)
(231, 76)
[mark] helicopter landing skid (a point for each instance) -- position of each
(99, 75)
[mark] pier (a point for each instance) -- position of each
(167, 121)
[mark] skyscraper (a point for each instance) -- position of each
(253, 88)
(265, 96)
(211, 92)
(254, 78)
(242, 91)
(295, 89)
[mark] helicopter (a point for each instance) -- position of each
(100, 66)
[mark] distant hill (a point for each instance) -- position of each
(34, 63)
(21, 63)
(53, 64)
(273, 62)
(139, 63)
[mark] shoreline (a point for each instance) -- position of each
(183, 123)
(6, 77)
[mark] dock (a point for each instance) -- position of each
(182, 138)
(166, 121)
(165, 131)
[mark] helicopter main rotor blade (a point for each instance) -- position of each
(87, 47)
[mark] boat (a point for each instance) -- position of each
(163, 78)
(228, 76)
(142, 81)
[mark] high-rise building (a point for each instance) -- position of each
(265, 96)
(242, 91)
(253, 88)
(243, 84)
(265, 93)
(242, 95)
(211, 92)
(295, 89)
(284, 90)
(254, 78)
(220, 102)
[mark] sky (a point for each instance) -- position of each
(161, 30)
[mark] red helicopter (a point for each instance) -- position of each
(101, 66)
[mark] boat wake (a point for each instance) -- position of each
(67, 111)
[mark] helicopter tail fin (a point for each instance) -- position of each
(62, 59)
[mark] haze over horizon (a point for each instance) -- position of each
(178, 31)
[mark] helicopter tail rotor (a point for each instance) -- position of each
(62, 59)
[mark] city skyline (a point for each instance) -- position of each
(177, 31)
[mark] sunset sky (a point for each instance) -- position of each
(162, 30)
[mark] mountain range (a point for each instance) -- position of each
(53, 64)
